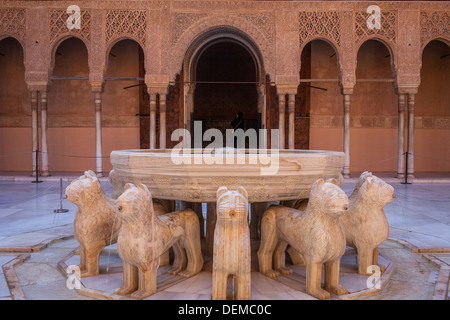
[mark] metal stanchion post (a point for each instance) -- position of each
(37, 168)
(60, 209)
(406, 170)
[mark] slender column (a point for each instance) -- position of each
(34, 127)
(262, 111)
(162, 121)
(44, 139)
(152, 120)
(211, 218)
(281, 126)
(410, 172)
(98, 133)
(291, 108)
(346, 171)
(401, 136)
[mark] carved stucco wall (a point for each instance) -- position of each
(179, 25)
(13, 23)
(165, 30)
(434, 25)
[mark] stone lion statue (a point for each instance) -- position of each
(96, 224)
(366, 226)
(315, 233)
(145, 237)
(231, 256)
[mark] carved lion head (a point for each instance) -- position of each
(377, 190)
(84, 190)
(135, 203)
(232, 204)
(327, 198)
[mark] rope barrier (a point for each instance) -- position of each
(76, 156)
(107, 157)
(51, 153)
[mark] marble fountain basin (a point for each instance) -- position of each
(194, 175)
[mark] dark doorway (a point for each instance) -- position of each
(226, 77)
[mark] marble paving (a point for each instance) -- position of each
(199, 287)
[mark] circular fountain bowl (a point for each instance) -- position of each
(194, 175)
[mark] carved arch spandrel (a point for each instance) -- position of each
(13, 24)
(262, 38)
(121, 24)
(387, 34)
(434, 26)
(59, 31)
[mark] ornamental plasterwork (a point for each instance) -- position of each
(12, 22)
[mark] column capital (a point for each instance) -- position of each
(157, 83)
(41, 86)
(406, 89)
(287, 88)
(157, 89)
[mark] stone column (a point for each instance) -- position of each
(98, 133)
(152, 120)
(410, 164)
(281, 121)
(162, 120)
(44, 137)
(401, 136)
(34, 128)
(189, 89)
(211, 218)
(291, 109)
(261, 88)
(346, 171)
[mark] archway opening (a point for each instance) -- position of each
(319, 112)
(125, 110)
(15, 113)
(70, 99)
(225, 85)
(374, 111)
(432, 110)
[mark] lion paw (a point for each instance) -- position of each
(174, 272)
(285, 271)
(140, 294)
(272, 273)
(338, 290)
(123, 291)
(319, 294)
(186, 274)
(86, 273)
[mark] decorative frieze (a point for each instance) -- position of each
(323, 24)
(13, 23)
(387, 31)
(126, 23)
(59, 27)
(182, 21)
(434, 25)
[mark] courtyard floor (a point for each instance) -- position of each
(34, 239)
